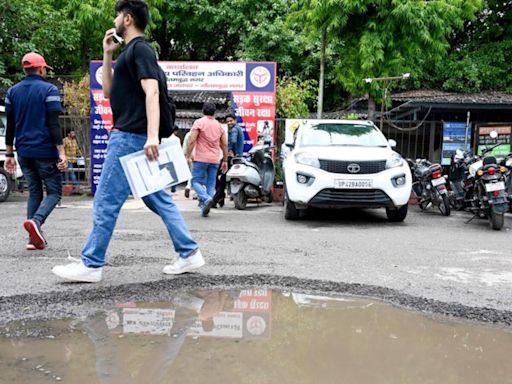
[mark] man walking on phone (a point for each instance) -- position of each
(33, 107)
(134, 96)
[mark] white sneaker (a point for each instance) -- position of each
(78, 272)
(185, 264)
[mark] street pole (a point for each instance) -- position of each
(382, 104)
(385, 79)
(322, 75)
(467, 129)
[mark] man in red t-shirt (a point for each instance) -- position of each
(207, 138)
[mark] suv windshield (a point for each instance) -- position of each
(327, 134)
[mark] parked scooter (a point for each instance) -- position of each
(252, 177)
(429, 184)
(488, 196)
(459, 167)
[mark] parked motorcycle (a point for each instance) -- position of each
(459, 167)
(507, 162)
(252, 177)
(429, 184)
(488, 197)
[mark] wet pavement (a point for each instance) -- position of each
(428, 263)
(254, 335)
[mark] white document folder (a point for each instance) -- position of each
(146, 177)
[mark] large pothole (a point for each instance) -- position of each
(255, 335)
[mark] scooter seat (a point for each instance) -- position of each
(489, 160)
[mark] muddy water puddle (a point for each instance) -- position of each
(255, 336)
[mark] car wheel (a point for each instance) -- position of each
(5, 185)
(397, 215)
(290, 210)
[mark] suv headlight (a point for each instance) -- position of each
(394, 161)
(307, 159)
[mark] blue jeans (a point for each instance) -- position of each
(71, 173)
(204, 177)
(38, 172)
(112, 192)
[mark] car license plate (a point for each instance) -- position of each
(438, 182)
(500, 185)
(353, 184)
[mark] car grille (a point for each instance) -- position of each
(366, 167)
(352, 198)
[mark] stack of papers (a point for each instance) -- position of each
(146, 177)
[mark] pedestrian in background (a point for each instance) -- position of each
(133, 90)
(189, 161)
(235, 149)
(206, 137)
(72, 152)
(173, 138)
(33, 107)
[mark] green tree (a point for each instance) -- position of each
(92, 18)
(481, 54)
(294, 97)
(321, 20)
(373, 38)
(69, 33)
(232, 30)
(34, 25)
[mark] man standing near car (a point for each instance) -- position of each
(133, 90)
(207, 139)
(33, 107)
(235, 149)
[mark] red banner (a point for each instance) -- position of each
(256, 112)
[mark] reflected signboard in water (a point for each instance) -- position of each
(222, 314)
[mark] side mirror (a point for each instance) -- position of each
(291, 146)
(493, 134)
(392, 143)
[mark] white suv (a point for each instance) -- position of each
(343, 164)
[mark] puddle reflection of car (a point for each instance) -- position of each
(345, 164)
(329, 302)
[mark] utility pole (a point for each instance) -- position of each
(323, 44)
(386, 80)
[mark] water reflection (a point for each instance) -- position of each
(209, 313)
(260, 336)
(214, 313)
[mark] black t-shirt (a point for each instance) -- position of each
(127, 98)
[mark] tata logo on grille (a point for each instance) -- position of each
(353, 168)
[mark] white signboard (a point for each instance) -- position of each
(201, 76)
(225, 325)
(148, 321)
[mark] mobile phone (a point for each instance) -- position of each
(117, 39)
